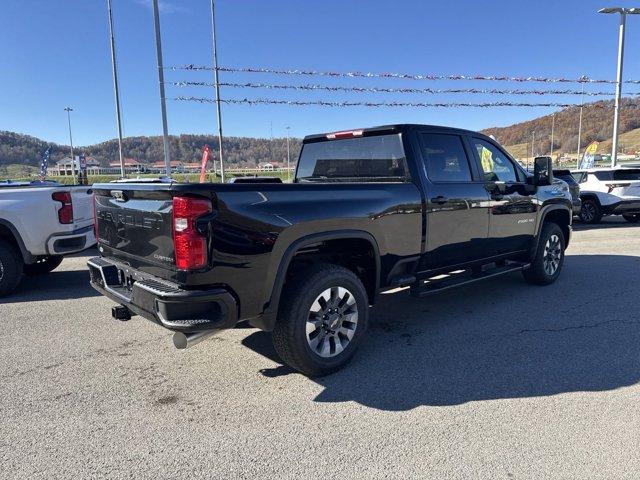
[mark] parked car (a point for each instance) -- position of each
(430, 208)
(609, 191)
(39, 224)
(567, 177)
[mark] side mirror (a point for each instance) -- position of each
(542, 171)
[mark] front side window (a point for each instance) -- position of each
(496, 166)
(378, 158)
(445, 158)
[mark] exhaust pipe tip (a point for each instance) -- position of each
(180, 340)
(185, 340)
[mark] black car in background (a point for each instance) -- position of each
(574, 188)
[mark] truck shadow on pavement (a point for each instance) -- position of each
(497, 340)
(62, 285)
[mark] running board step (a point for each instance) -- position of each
(439, 283)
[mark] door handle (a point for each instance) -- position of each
(439, 200)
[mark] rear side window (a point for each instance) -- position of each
(445, 158)
(579, 177)
(377, 158)
(602, 175)
(626, 175)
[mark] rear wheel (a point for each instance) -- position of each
(323, 317)
(43, 265)
(10, 268)
(590, 211)
(631, 217)
(547, 263)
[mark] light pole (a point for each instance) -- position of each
(73, 160)
(217, 83)
(163, 102)
(288, 156)
(533, 145)
(616, 112)
(580, 128)
(116, 91)
(553, 124)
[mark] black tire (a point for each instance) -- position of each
(550, 251)
(290, 337)
(631, 217)
(590, 212)
(43, 265)
(10, 268)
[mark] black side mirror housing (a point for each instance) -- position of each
(542, 171)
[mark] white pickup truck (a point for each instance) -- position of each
(39, 223)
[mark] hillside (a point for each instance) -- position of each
(16, 148)
(597, 124)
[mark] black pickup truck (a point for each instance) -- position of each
(423, 207)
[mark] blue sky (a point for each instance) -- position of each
(54, 54)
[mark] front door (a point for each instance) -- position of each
(457, 202)
(513, 204)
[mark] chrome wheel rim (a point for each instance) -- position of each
(552, 255)
(332, 322)
(588, 212)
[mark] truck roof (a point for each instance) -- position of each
(397, 127)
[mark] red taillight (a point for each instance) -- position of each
(65, 214)
(190, 246)
(346, 134)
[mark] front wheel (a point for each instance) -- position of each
(322, 319)
(549, 258)
(631, 217)
(590, 211)
(43, 265)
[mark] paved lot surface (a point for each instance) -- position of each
(501, 380)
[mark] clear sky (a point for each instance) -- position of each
(56, 53)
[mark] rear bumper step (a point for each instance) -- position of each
(164, 302)
(424, 287)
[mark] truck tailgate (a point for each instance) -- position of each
(82, 201)
(135, 226)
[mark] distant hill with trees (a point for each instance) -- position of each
(16, 148)
(597, 125)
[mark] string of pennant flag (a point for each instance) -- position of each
(322, 103)
(329, 88)
(406, 76)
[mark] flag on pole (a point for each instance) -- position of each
(203, 166)
(589, 157)
(44, 165)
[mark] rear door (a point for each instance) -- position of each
(457, 202)
(513, 205)
(626, 183)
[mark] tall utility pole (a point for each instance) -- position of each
(116, 91)
(580, 127)
(288, 156)
(163, 102)
(216, 78)
(616, 112)
(73, 160)
(553, 124)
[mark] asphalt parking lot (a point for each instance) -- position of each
(497, 380)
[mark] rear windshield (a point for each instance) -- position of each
(378, 158)
(626, 174)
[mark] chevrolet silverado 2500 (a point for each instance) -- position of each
(424, 207)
